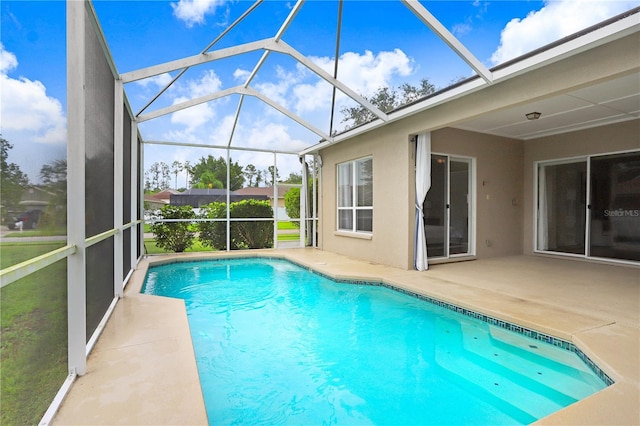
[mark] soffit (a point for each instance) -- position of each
(599, 104)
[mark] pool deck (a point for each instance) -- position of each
(142, 370)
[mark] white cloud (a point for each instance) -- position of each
(207, 84)
(193, 11)
(8, 60)
(555, 20)
(158, 81)
(28, 114)
(199, 115)
(278, 91)
(363, 73)
(367, 73)
(192, 117)
(460, 30)
(241, 75)
(311, 97)
(264, 134)
(220, 134)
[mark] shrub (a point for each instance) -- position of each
(213, 234)
(252, 234)
(244, 235)
(174, 236)
(292, 204)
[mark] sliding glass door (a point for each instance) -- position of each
(615, 207)
(590, 207)
(562, 199)
(447, 207)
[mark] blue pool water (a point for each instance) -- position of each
(278, 344)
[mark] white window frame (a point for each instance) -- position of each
(353, 208)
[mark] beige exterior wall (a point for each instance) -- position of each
(499, 189)
(600, 140)
(392, 220)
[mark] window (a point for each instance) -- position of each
(355, 196)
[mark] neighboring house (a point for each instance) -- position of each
(36, 198)
(197, 198)
(159, 199)
(268, 191)
(33, 198)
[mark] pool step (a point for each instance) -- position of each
(517, 376)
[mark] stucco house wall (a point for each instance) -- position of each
(391, 154)
(498, 183)
(623, 136)
(499, 187)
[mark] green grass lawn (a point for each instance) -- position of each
(288, 237)
(293, 231)
(152, 248)
(33, 322)
(285, 226)
(43, 232)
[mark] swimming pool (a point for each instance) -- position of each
(276, 343)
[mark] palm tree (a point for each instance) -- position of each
(187, 168)
(176, 166)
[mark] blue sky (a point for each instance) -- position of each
(382, 44)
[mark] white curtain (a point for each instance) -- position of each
(423, 183)
(543, 213)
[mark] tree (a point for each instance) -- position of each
(387, 99)
(271, 175)
(157, 177)
(187, 168)
(251, 173)
(292, 204)
(152, 177)
(54, 178)
(54, 174)
(411, 93)
(165, 181)
(293, 178)
(208, 180)
(176, 167)
(218, 167)
(292, 197)
(12, 180)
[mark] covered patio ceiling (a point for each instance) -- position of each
(600, 103)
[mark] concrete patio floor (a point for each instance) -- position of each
(142, 370)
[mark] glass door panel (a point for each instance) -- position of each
(561, 207)
(615, 207)
(459, 206)
(435, 208)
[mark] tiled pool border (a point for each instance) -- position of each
(555, 341)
